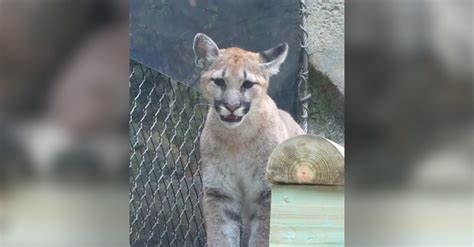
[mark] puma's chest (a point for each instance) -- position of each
(243, 175)
(239, 170)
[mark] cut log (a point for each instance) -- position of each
(307, 159)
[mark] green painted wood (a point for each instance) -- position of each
(307, 215)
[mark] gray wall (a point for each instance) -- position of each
(325, 26)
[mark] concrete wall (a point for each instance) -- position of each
(325, 26)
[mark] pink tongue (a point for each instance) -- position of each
(231, 117)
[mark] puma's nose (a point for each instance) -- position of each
(231, 107)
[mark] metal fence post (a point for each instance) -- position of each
(303, 95)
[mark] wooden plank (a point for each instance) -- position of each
(307, 215)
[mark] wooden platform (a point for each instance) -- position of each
(307, 215)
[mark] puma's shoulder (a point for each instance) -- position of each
(292, 128)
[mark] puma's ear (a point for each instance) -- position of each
(273, 57)
(205, 50)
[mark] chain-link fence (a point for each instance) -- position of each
(166, 118)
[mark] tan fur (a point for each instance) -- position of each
(236, 194)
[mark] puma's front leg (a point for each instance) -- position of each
(222, 216)
(260, 220)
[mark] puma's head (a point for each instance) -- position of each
(234, 80)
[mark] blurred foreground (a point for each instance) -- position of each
(409, 123)
(63, 123)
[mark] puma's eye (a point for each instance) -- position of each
(219, 82)
(247, 84)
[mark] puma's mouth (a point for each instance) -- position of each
(231, 118)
